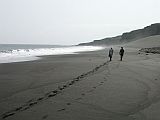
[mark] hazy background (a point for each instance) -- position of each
(68, 22)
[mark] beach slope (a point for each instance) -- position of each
(84, 86)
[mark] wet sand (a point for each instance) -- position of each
(83, 86)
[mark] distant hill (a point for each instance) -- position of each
(153, 29)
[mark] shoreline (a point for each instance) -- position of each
(22, 55)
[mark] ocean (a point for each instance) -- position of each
(26, 52)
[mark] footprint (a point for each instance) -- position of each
(90, 91)
(70, 83)
(19, 108)
(78, 98)
(33, 103)
(64, 86)
(77, 79)
(82, 75)
(29, 101)
(44, 117)
(55, 91)
(39, 99)
(61, 109)
(68, 103)
(25, 108)
(7, 115)
(82, 94)
(60, 88)
(51, 95)
(86, 74)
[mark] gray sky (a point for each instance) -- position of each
(72, 21)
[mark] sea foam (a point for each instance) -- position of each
(18, 55)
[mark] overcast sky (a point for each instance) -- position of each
(68, 22)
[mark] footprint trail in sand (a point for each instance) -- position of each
(52, 93)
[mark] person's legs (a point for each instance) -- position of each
(121, 57)
(110, 57)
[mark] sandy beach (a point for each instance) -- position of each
(84, 86)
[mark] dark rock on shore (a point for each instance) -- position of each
(154, 50)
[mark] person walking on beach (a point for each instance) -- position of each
(110, 54)
(121, 53)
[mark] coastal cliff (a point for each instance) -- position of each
(153, 29)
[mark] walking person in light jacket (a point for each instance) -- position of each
(110, 54)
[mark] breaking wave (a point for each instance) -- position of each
(18, 55)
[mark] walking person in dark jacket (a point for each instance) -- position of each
(121, 53)
(110, 54)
